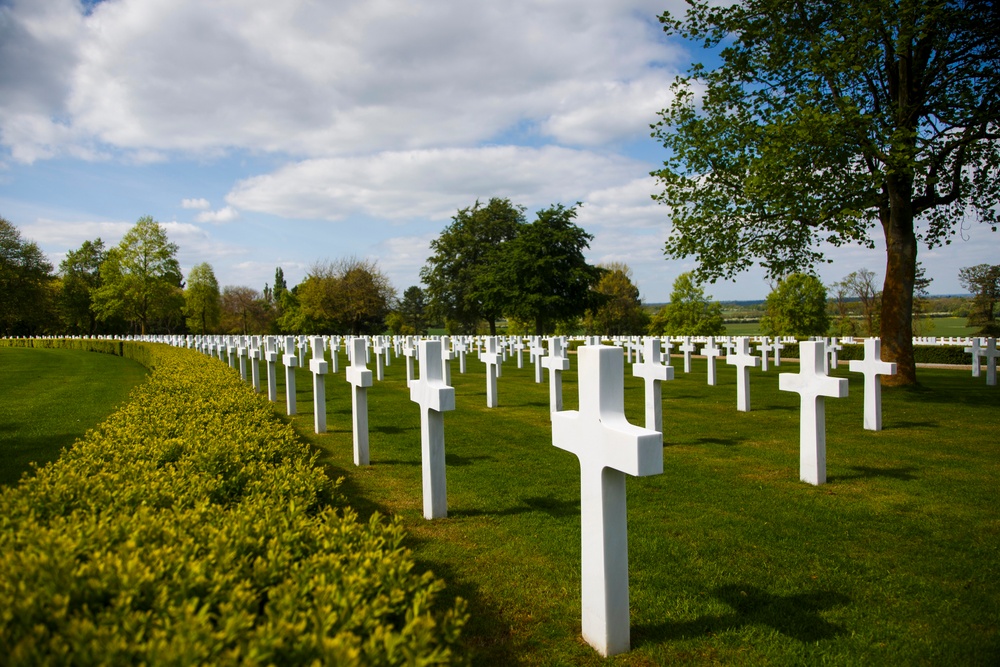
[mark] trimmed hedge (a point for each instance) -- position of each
(193, 527)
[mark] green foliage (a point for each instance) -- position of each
(464, 284)
(81, 275)
(25, 284)
(796, 307)
(413, 310)
(351, 295)
(619, 311)
(689, 313)
(983, 282)
(141, 279)
(202, 301)
(827, 121)
(193, 527)
(545, 273)
(244, 310)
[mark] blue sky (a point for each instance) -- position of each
(265, 134)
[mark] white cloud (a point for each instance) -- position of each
(200, 203)
(225, 214)
(317, 79)
(430, 183)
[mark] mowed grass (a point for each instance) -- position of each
(732, 559)
(51, 398)
(941, 327)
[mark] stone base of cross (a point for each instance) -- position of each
(812, 384)
(608, 448)
(434, 398)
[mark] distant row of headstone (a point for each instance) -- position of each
(598, 433)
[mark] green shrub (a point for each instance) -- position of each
(194, 527)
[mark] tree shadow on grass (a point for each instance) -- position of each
(385, 429)
(724, 442)
(796, 616)
(910, 424)
(459, 460)
(550, 505)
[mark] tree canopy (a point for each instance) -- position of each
(689, 313)
(983, 283)
(25, 279)
(202, 300)
(796, 307)
(825, 121)
(348, 296)
(617, 309)
(81, 275)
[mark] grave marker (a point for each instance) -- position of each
(492, 360)
(872, 367)
(360, 378)
(556, 364)
(608, 448)
(711, 351)
(291, 362)
(991, 353)
(653, 372)
(434, 398)
(319, 369)
(812, 384)
(743, 361)
(687, 347)
(272, 372)
(975, 351)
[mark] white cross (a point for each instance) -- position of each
(608, 448)
(653, 372)
(537, 352)
(812, 384)
(556, 364)
(687, 347)
(834, 348)
(254, 365)
(361, 378)
(291, 363)
(380, 348)
(434, 398)
(991, 353)
(319, 369)
(711, 351)
(410, 351)
(975, 351)
(492, 360)
(241, 354)
(460, 348)
(334, 354)
(764, 348)
(519, 350)
(446, 356)
(778, 347)
(271, 355)
(872, 367)
(667, 346)
(743, 361)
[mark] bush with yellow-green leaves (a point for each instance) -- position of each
(192, 527)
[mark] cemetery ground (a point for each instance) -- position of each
(52, 397)
(732, 559)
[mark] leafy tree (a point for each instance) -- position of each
(796, 307)
(349, 296)
(141, 278)
(244, 310)
(25, 284)
(464, 284)
(80, 272)
(922, 322)
(618, 310)
(983, 283)
(202, 301)
(544, 270)
(824, 121)
(689, 313)
(844, 325)
(413, 309)
(863, 285)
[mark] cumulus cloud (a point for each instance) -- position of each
(225, 214)
(430, 183)
(199, 203)
(318, 79)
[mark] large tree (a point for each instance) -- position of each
(796, 307)
(825, 120)
(81, 275)
(202, 300)
(689, 313)
(544, 271)
(617, 310)
(141, 278)
(25, 282)
(244, 310)
(983, 283)
(348, 296)
(464, 285)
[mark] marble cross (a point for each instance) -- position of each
(687, 347)
(446, 356)
(608, 448)
(291, 363)
(434, 398)
(319, 369)
(255, 363)
(492, 360)
(271, 355)
(537, 352)
(872, 367)
(556, 364)
(653, 372)
(812, 384)
(975, 351)
(360, 378)
(711, 351)
(991, 353)
(778, 347)
(743, 361)
(764, 347)
(409, 351)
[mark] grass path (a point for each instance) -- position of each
(51, 398)
(732, 559)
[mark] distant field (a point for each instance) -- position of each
(51, 398)
(939, 326)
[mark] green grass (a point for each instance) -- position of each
(942, 327)
(895, 561)
(51, 398)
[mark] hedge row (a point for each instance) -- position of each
(193, 527)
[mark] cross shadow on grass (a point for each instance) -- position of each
(459, 460)
(796, 616)
(867, 472)
(725, 442)
(546, 504)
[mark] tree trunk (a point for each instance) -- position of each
(897, 291)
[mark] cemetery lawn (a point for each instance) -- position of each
(51, 398)
(895, 561)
